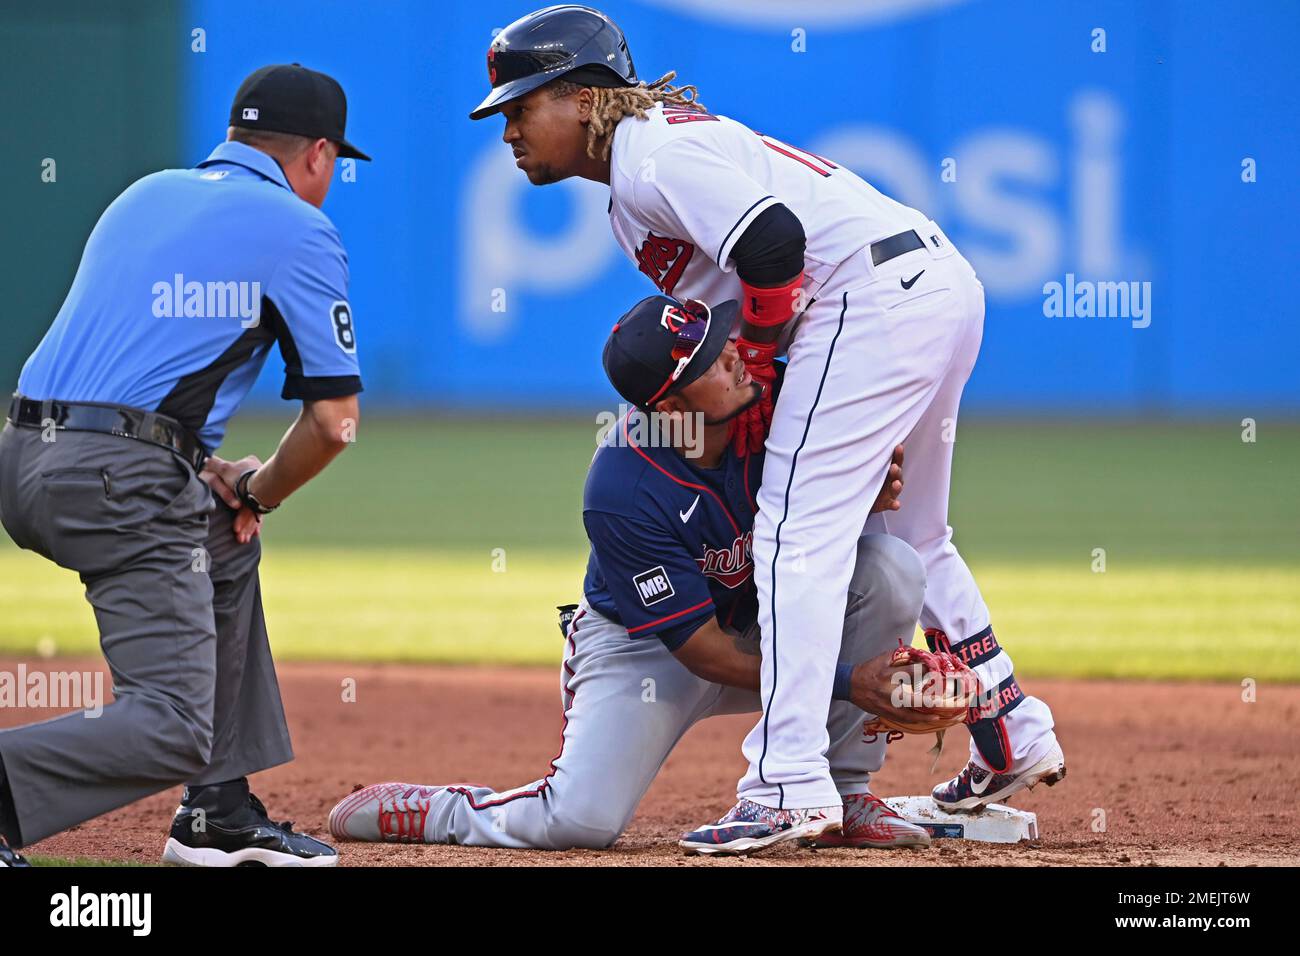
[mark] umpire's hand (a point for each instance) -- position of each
(220, 475)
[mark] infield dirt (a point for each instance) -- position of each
(1176, 773)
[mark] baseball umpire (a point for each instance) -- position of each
(106, 468)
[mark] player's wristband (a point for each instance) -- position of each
(756, 353)
(772, 306)
(843, 686)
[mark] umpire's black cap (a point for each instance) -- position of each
(639, 356)
(289, 98)
(577, 43)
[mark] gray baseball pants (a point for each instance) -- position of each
(627, 702)
(179, 608)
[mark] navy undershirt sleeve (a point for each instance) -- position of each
(771, 250)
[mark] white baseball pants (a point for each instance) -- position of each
(871, 364)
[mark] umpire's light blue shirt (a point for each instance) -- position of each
(186, 281)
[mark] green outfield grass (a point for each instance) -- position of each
(79, 861)
(397, 552)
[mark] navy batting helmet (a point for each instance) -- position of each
(579, 43)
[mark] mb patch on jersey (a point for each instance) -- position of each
(653, 586)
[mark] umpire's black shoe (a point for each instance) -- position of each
(9, 857)
(246, 838)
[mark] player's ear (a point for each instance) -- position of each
(670, 405)
(586, 101)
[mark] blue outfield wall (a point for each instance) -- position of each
(1124, 165)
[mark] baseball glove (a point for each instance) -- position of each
(930, 693)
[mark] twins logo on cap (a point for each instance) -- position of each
(674, 318)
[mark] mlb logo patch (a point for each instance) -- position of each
(653, 586)
(251, 112)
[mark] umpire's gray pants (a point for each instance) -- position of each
(179, 608)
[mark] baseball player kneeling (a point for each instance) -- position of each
(666, 633)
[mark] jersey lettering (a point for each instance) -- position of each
(731, 566)
(664, 260)
(681, 114)
(785, 149)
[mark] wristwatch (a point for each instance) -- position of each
(247, 498)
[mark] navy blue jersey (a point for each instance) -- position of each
(670, 541)
(186, 282)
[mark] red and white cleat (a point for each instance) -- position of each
(383, 813)
(870, 822)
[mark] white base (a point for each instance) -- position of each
(996, 823)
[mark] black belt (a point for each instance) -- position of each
(885, 249)
(118, 420)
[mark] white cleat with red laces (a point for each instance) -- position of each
(383, 813)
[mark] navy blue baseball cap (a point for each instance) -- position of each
(662, 345)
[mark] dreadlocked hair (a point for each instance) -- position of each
(614, 103)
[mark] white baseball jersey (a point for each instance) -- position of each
(879, 357)
(685, 185)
